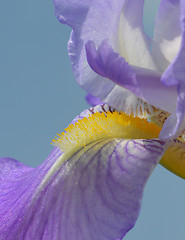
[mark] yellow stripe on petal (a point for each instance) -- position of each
(100, 126)
(174, 159)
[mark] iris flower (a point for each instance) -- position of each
(91, 185)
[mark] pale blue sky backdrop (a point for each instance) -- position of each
(39, 97)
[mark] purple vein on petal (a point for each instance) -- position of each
(92, 190)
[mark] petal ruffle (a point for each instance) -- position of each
(143, 83)
(84, 18)
(93, 195)
(119, 19)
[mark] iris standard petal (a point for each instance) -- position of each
(94, 194)
(117, 19)
(167, 33)
(84, 18)
(134, 43)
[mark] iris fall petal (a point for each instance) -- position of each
(87, 193)
(93, 195)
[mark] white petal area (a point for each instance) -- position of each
(133, 42)
(123, 100)
(167, 33)
(96, 193)
(131, 105)
(98, 108)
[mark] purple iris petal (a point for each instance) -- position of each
(175, 75)
(93, 195)
(116, 18)
(109, 64)
(18, 210)
(133, 42)
(93, 101)
(143, 83)
(167, 33)
(84, 18)
(121, 24)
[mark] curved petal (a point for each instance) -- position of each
(175, 76)
(84, 18)
(121, 24)
(167, 33)
(93, 195)
(108, 63)
(143, 83)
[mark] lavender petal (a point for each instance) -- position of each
(167, 33)
(143, 83)
(93, 195)
(93, 101)
(175, 76)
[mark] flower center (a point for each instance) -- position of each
(104, 125)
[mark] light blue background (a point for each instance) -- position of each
(39, 97)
